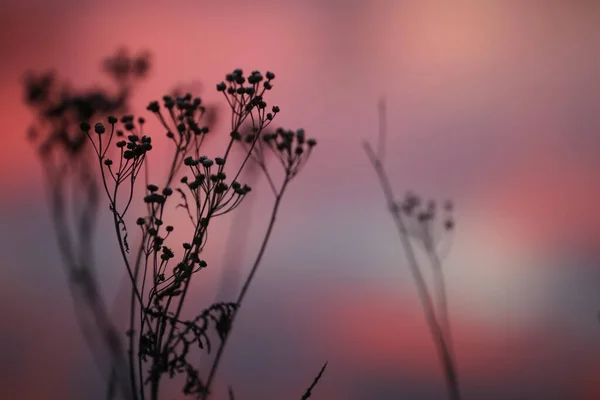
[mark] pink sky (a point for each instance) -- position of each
(490, 103)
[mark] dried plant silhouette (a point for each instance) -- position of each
(420, 223)
(210, 118)
(162, 340)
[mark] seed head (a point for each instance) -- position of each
(99, 128)
(153, 107)
(300, 136)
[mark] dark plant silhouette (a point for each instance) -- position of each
(421, 223)
(160, 337)
(308, 392)
(210, 118)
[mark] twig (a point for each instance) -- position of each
(308, 392)
(244, 290)
(441, 340)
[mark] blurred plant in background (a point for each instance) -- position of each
(427, 226)
(72, 185)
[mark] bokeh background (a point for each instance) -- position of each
(491, 103)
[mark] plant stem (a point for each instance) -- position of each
(134, 291)
(442, 347)
(442, 299)
(244, 289)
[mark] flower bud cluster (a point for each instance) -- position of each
(132, 147)
(182, 117)
(413, 206)
(245, 95)
(425, 220)
(291, 147)
(209, 181)
(238, 84)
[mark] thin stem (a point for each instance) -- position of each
(436, 331)
(244, 290)
(134, 290)
(382, 129)
(442, 299)
(308, 392)
(264, 244)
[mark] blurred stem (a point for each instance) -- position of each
(442, 299)
(81, 280)
(436, 331)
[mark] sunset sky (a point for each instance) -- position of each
(491, 103)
